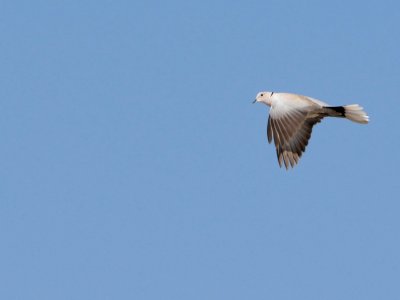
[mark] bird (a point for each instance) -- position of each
(291, 120)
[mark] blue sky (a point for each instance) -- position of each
(134, 166)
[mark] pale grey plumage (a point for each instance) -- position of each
(292, 118)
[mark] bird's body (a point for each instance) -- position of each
(292, 117)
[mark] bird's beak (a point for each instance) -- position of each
(255, 100)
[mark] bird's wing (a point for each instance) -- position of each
(291, 129)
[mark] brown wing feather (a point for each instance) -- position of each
(269, 131)
(291, 133)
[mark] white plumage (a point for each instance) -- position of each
(292, 117)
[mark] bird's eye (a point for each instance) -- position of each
(262, 95)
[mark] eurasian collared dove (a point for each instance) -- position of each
(292, 117)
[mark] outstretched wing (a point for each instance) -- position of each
(291, 131)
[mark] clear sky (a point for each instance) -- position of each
(134, 166)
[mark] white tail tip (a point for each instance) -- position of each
(355, 113)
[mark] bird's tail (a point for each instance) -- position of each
(353, 112)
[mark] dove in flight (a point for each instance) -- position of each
(292, 117)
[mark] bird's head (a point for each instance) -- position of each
(264, 97)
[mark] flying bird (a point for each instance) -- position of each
(292, 117)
